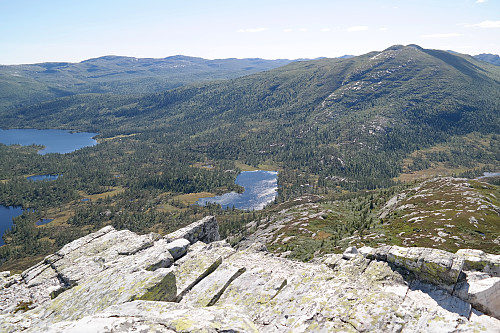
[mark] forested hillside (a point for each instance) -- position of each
(355, 118)
(27, 84)
(333, 128)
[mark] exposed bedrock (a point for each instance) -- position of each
(190, 281)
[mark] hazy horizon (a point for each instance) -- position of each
(60, 31)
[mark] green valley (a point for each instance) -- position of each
(343, 133)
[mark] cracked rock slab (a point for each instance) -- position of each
(143, 316)
(136, 284)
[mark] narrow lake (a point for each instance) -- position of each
(42, 177)
(260, 190)
(55, 141)
(6, 216)
(489, 174)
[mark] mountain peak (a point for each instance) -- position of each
(398, 47)
(395, 47)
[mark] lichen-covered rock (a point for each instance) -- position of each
(142, 316)
(432, 265)
(133, 283)
(482, 291)
(205, 230)
(96, 255)
(178, 247)
(350, 253)
(477, 260)
(201, 261)
(105, 289)
(34, 290)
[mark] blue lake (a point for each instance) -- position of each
(42, 177)
(489, 174)
(55, 141)
(6, 216)
(260, 190)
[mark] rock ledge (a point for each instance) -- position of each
(118, 281)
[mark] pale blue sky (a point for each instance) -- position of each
(73, 30)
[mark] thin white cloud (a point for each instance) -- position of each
(485, 25)
(454, 34)
(357, 28)
(252, 30)
(481, 1)
(383, 29)
(325, 30)
(302, 29)
(288, 30)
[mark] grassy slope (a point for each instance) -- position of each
(444, 213)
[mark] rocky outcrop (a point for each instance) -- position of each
(431, 265)
(471, 275)
(117, 281)
(205, 230)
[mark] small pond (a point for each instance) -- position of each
(42, 177)
(55, 141)
(6, 216)
(489, 174)
(260, 190)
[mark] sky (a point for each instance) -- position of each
(33, 31)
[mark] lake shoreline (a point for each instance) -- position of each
(260, 190)
(53, 140)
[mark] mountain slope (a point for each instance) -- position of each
(356, 118)
(329, 126)
(21, 84)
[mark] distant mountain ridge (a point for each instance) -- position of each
(488, 57)
(32, 83)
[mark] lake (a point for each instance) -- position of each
(6, 216)
(42, 177)
(260, 190)
(55, 141)
(489, 174)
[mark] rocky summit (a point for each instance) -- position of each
(191, 281)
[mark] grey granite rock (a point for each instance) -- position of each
(432, 265)
(482, 291)
(178, 247)
(477, 260)
(143, 316)
(350, 253)
(205, 230)
(133, 283)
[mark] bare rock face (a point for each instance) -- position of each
(471, 275)
(477, 260)
(205, 230)
(432, 265)
(117, 281)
